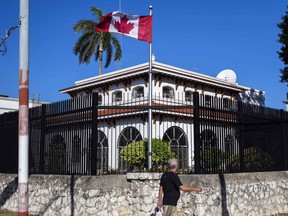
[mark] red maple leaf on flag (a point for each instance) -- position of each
(124, 26)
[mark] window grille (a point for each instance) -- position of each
(102, 152)
(208, 139)
(189, 96)
(208, 100)
(229, 144)
(168, 92)
(179, 144)
(127, 136)
(117, 96)
(227, 103)
(138, 92)
(99, 99)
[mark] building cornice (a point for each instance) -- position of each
(141, 69)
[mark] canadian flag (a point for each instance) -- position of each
(139, 27)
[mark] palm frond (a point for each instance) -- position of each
(83, 54)
(97, 53)
(84, 26)
(109, 54)
(89, 42)
(118, 50)
(106, 43)
(97, 12)
(81, 41)
(91, 49)
(84, 47)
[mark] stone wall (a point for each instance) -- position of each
(136, 194)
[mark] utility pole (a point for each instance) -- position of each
(23, 136)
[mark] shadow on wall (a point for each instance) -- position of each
(72, 184)
(9, 190)
(52, 200)
(223, 195)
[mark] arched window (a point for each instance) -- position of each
(208, 139)
(178, 143)
(117, 96)
(227, 103)
(208, 100)
(229, 144)
(168, 92)
(189, 96)
(138, 92)
(57, 155)
(76, 149)
(210, 158)
(102, 152)
(100, 99)
(127, 135)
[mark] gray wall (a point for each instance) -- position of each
(136, 194)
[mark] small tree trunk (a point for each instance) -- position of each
(100, 54)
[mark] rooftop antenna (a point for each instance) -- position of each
(35, 98)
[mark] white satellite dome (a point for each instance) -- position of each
(227, 75)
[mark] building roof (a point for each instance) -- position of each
(8, 104)
(157, 68)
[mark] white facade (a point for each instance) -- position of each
(171, 86)
(8, 104)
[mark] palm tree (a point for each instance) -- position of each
(92, 43)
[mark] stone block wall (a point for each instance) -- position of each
(136, 194)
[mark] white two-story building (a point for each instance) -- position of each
(171, 86)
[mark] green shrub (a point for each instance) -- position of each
(136, 153)
(211, 158)
(254, 160)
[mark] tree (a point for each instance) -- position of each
(283, 53)
(136, 153)
(92, 43)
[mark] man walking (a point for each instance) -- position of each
(171, 185)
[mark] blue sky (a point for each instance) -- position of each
(203, 36)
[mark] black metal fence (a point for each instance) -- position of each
(233, 136)
(87, 135)
(9, 142)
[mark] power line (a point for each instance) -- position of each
(3, 44)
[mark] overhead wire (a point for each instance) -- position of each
(3, 43)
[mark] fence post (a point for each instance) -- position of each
(42, 139)
(94, 133)
(4, 141)
(196, 132)
(241, 135)
(285, 155)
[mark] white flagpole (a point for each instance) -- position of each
(150, 104)
(23, 166)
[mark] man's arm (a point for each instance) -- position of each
(189, 189)
(160, 194)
